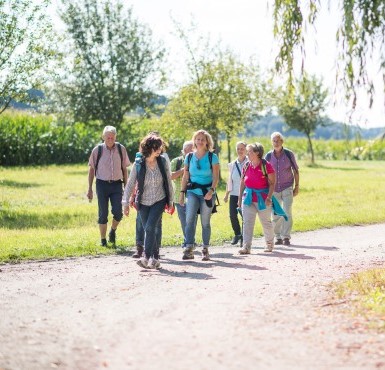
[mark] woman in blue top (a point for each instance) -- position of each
(200, 178)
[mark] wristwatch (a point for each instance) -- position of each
(212, 189)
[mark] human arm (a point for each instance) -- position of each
(296, 182)
(91, 176)
(185, 180)
(271, 181)
(128, 191)
(214, 183)
(241, 190)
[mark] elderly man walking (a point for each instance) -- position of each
(286, 186)
(108, 163)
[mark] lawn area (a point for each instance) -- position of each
(44, 212)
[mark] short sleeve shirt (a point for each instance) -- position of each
(255, 179)
(200, 170)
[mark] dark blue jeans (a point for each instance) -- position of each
(139, 231)
(151, 217)
(233, 204)
(109, 192)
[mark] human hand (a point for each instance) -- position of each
(126, 210)
(90, 195)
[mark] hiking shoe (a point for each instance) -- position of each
(103, 243)
(154, 264)
(279, 242)
(268, 248)
(112, 236)
(236, 239)
(143, 262)
(205, 254)
(245, 250)
(139, 252)
(286, 241)
(188, 253)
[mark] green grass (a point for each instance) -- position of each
(44, 212)
(366, 291)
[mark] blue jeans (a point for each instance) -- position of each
(139, 231)
(151, 217)
(195, 202)
(182, 218)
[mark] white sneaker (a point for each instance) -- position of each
(154, 264)
(143, 262)
(268, 248)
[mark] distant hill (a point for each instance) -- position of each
(265, 126)
(34, 96)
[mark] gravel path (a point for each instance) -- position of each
(262, 311)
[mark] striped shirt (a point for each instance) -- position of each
(109, 166)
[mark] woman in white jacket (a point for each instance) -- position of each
(232, 189)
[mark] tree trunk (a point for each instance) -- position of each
(228, 149)
(311, 148)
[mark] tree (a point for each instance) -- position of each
(221, 101)
(302, 111)
(360, 34)
(116, 63)
(221, 96)
(25, 36)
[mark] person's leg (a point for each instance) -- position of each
(278, 220)
(192, 206)
(116, 209)
(182, 218)
(102, 194)
(139, 237)
(249, 215)
(267, 226)
(287, 204)
(151, 216)
(205, 221)
(233, 204)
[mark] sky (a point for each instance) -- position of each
(245, 27)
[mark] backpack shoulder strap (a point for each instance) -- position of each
(288, 154)
(264, 170)
(189, 158)
(121, 156)
(100, 150)
(245, 168)
(268, 156)
(238, 169)
(211, 160)
(179, 163)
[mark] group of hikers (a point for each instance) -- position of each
(257, 184)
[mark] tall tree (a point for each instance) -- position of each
(25, 38)
(360, 34)
(116, 62)
(303, 110)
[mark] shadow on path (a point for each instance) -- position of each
(326, 248)
(285, 255)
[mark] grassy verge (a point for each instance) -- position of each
(366, 291)
(44, 212)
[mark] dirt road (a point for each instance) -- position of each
(262, 311)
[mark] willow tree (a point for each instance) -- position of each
(361, 34)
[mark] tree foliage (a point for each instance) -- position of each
(302, 111)
(360, 34)
(115, 61)
(25, 38)
(221, 96)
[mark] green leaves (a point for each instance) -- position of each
(117, 63)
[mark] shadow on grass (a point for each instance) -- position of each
(51, 220)
(17, 184)
(77, 173)
(321, 166)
